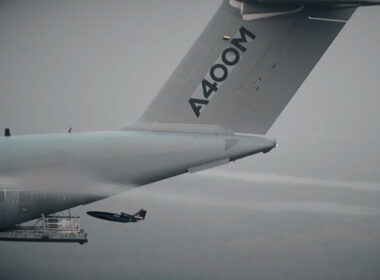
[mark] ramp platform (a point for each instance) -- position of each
(48, 229)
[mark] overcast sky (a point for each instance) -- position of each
(309, 209)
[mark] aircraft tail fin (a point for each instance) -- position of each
(246, 66)
(141, 214)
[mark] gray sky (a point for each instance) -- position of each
(309, 209)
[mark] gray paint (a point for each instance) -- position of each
(312, 2)
(272, 55)
(126, 158)
(274, 64)
(201, 228)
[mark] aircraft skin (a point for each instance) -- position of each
(131, 158)
(216, 107)
(126, 157)
(312, 2)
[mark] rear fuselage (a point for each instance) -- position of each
(131, 158)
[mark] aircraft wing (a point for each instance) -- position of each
(246, 65)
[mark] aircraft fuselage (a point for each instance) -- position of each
(131, 158)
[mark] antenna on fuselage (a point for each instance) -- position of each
(70, 129)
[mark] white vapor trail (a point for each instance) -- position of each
(275, 206)
(293, 180)
(196, 199)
